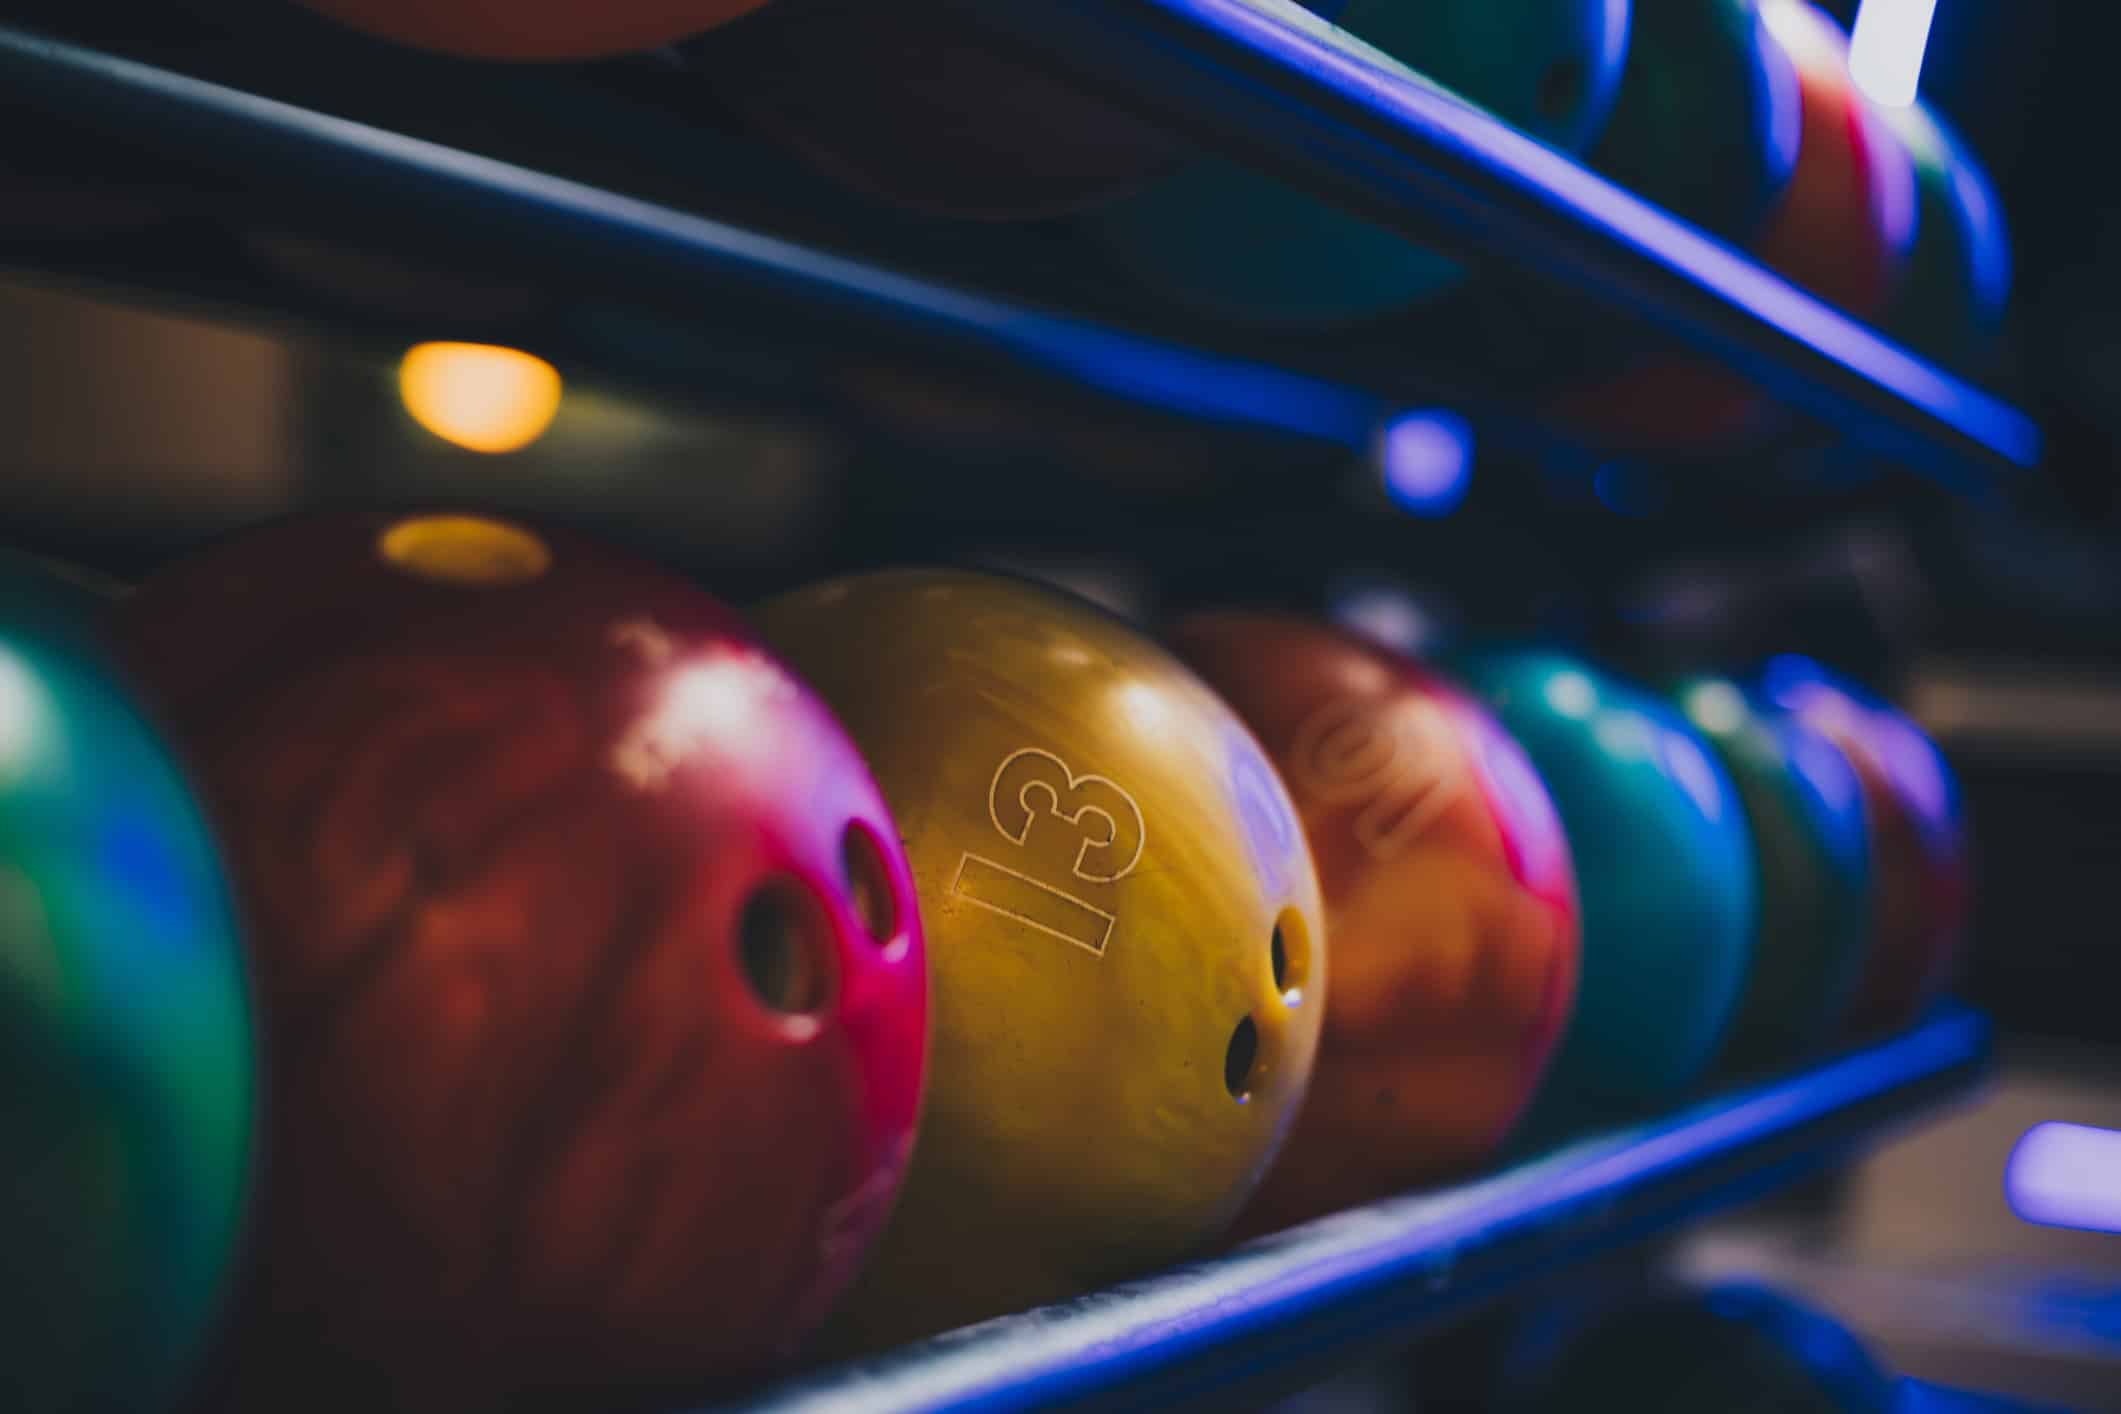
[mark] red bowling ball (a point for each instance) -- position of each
(1845, 223)
(593, 990)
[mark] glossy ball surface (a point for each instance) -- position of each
(1707, 125)
(1804, 806)
(1126, 941)
(1450, 902)
(126, 1082)
(590, 969)
(906, 102)
(1950, 304)
(1664, 868)
(1736, 1346)
(1709, 114)
(1918, 839)
(1847, 218)
(533, 29)
(1550, 68)
(1237, 244)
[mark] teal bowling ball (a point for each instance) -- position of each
(1665, 868)
(1731, 1349)
(1234, 243)
(125, 1035)
(1951, 297)
(1804, 809)
(1550, 68)
(1709, 115)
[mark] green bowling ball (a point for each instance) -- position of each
(1708, 117)
(1730, 1349)
(1950, 300)
(1232, 242)
(1665, 869)
(1804, 806)
(125, 1035)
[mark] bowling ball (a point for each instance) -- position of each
(1736, 1347)
(1550, 68)
(1743, 119)
(1951, 301)
(1804, 806)
(1664, 868)
(1918, 839)
(909, 103)
(1449, 899)
(1708, 116)
(533, 29)
(1126, 940)
(591, 978)
(125, 1032)
(1235, 243)
(1845, 222)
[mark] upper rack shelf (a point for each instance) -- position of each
(1299, 100)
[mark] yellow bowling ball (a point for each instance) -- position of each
(1126, 946)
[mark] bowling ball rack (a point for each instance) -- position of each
(566, 210)
(615, 195)
(1283, 1312)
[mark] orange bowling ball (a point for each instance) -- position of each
(1449, 897)
(533, 29)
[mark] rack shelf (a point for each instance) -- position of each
(1342, 119)
(1249, 76)
(1285, 1311)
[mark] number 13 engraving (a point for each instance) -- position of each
(1084, 827)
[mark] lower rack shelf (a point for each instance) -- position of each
(1283, 1312)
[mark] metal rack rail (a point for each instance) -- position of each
(1285, 1311)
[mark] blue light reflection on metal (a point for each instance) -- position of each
(2066, 1175)
(1300, 1301)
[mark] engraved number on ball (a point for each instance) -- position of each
(1084, 827)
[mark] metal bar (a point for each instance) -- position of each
(1287, 1309)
